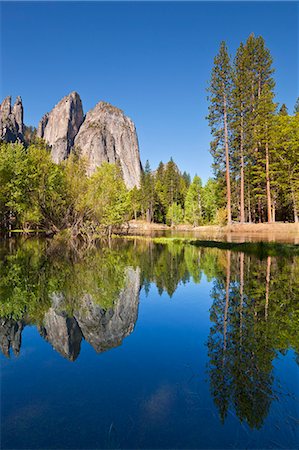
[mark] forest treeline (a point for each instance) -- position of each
(37, 194)
(255, 148)
(255, 143)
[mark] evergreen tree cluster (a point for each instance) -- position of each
(168, 196)
(255, 146)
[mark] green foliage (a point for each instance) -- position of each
(35, 193)
(247, 90)
(210, 200)
(107, 197)
(221, 217)
(193, 203)
(32, 187)
(174, 214)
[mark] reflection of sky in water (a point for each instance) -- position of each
(152, 391)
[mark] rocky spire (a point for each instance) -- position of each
(11, 120)
(59, 127)
(18, 113)
(10, 336)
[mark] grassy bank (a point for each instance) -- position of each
(260, 249)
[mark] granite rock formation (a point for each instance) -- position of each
(106, 329)
(104, 135)
(102, 328)
(61, 331)
(59, 127)
(11, 120)
(108, 135)
(10, 336)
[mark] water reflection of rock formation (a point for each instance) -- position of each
(10, 336)
(102, 328)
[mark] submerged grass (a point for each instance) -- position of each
(260, 249)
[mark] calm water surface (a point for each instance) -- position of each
(139, 345)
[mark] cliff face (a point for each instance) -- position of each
(108, 135)
(104, 135)
(11, 120)
(59, 127)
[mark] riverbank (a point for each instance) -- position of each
(278, 232)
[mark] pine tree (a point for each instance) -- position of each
(296, 107)
(172, 184)
(240, 109)
(147, 189)
(220, 97)
(283, 110)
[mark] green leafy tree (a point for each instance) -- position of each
(107, 197)
(175, 214)
(210, 200)
(193, 203)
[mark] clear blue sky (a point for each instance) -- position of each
(153, 60)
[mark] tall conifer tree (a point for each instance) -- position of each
(220, 97)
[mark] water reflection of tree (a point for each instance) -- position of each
(67, 296)
(254, 316)
(33, 272)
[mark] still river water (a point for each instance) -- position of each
(142, 345)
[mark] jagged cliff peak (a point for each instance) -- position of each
(60, 126)
(105, 134)
(11, 120)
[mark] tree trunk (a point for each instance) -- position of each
(268, 184)
(241, 293)
(228, 253)
(148, 215)
(242, 206)
(268, 274)
(296, 218)
(229, 214)
(259, 208)
(249, 206)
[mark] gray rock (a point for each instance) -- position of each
(10, 336)
(59, 127)
(11, 121)
(42, 125)
(60, 330)
(108, 135)
(102, 328)
(18, 114)
(106, 329)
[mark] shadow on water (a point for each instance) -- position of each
(94, 296)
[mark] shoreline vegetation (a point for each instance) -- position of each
(255, 188)
(260, 249)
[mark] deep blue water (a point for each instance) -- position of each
(154, 390)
